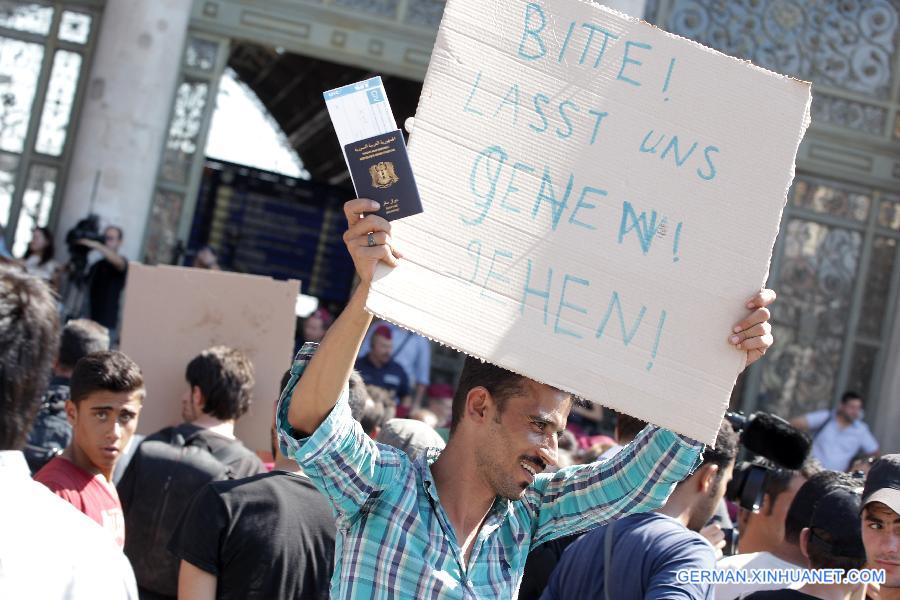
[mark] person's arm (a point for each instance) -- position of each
(419, 397)
(642, 475)
(195, 584)
(313, 418)
(117, 260)
(326, 376)
(639, 478)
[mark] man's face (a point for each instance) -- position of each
(881, 537)
(111, 238)
(381, 349)
(521, 442)
(852, 409)
(103, 424)
(771, 520)
(705, 506)
(189, 398)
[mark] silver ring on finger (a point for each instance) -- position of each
(371, 240)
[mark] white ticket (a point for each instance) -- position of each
(359, 111)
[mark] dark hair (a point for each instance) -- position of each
(725, 450)
(499, 382)
(358, 395)
(48, 251)
(104, 371)
(801, 509)
(225, 378)
(778, 479)
(29, 334)
(628, 427)
(373, 416)
(850, 395)
(79, 338)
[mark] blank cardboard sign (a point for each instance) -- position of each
(171, 314)
(601, 199)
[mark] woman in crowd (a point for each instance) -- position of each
(39, 256)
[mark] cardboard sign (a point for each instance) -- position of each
(601, 199)
(171, 314)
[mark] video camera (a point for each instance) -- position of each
(771, 437)
(86, 229)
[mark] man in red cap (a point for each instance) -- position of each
(380, 369)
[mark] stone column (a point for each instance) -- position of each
(125, 117)
(883, 405)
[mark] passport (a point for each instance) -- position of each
(380, 169)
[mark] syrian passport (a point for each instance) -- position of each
(380, 169)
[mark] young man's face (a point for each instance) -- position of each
(881, 537)
(706, 504)
(772, 520)
(103, 424)
(111, 238)
(852, 409)
(522, 440)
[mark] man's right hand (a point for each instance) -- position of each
(368, 238)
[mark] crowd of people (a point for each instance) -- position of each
(383, 483)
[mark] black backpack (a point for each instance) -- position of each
(168, 468)
(51, 432)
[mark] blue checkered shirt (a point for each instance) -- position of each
(395, 539)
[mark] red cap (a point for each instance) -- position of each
(384, 331)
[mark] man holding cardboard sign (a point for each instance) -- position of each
(460, 523)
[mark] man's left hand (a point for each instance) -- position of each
(753, 335)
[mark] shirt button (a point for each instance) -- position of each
(307, 456)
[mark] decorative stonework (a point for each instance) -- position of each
(379, 8)
(424, 13)
(843, 44)
(849, 114)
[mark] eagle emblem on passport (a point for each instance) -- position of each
(380, 169)
(383, 175)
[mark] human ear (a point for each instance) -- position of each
(71, 413)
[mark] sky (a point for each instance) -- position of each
(243, 132)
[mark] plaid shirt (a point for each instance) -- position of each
(395, 539)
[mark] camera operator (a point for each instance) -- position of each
(761, 543)
(107, 280)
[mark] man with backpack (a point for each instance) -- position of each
(174, 463)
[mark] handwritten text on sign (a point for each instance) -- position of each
(600, 199)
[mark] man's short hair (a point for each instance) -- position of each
(801, 509)
(501, 384)
(358, 396)
(725, 449)
(105, 372)
(29, 334)
(627, 427)
(225, 378)
(850, 395)
(372, 417)
(778, 479)
(79, 338)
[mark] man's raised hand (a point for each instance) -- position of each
(754, 333)
(368, 238)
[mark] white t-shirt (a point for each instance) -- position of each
(48, 549)
(749, 562)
